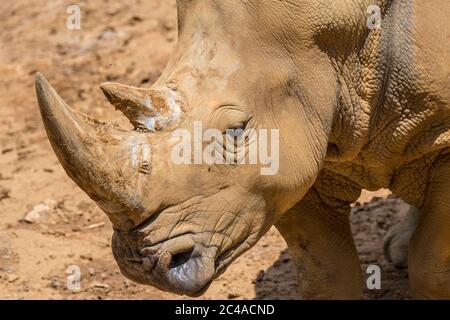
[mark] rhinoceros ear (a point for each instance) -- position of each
(147, 109)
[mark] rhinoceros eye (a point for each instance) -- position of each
(237, 126)
(229, 118)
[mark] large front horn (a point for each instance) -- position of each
(105, 161)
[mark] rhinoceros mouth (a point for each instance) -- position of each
(183, 264)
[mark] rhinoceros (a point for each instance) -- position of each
(355, 105)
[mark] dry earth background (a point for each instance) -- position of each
(128, 42)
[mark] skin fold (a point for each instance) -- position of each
(355, 108)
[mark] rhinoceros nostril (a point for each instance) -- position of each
(180, 258)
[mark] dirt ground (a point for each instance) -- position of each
(128, 42)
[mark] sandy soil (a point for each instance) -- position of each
(128, 42)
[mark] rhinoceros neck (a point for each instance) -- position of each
(389, 117)
(396, 92)
(365, 77)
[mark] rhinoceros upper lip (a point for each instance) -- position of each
(220, 262)
(149, 244)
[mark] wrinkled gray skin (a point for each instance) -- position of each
(356, 108)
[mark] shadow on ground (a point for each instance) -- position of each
(279, 281)
(369, 222)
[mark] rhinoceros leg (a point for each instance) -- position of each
(320, 241)
(396, 241)
(429, 250)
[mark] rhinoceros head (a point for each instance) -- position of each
(241, 65)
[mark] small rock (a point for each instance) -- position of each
(4, 193)
(32, 216)
(126, 283)
(91, 272)
(107, 34)
(86, 257)
(12, 277)
(233, 295)
(55, 283)
(40, 210)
